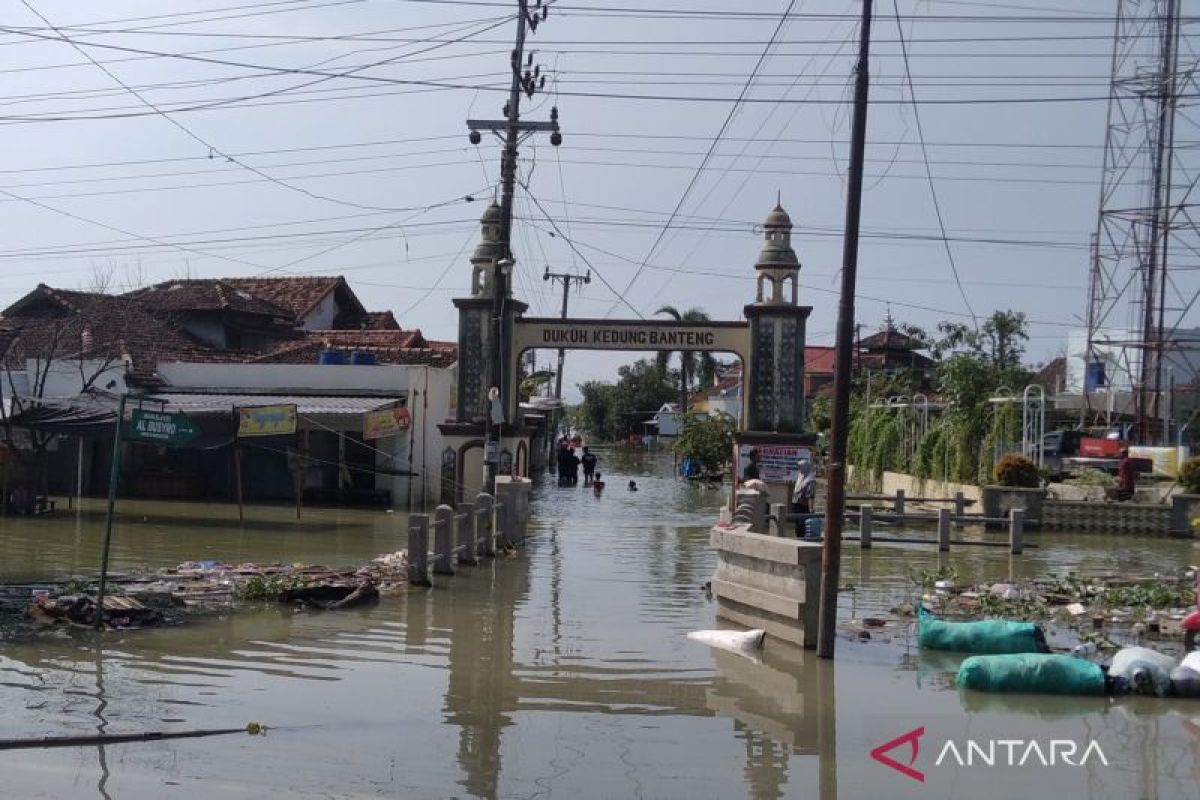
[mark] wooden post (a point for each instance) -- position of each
(443, 540)
(865, 523)
(114, 478)
(779, 514)
(418, 549)
(960, 505)
(943, 530)
(1016, 530)
(237, 474)
(899, 503)
(464, 534)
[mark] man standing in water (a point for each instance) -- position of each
(589, 466)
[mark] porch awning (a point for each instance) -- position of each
(306, 405)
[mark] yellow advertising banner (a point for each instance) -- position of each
(266, 420)
(386, 422)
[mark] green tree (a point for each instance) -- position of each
(1005, 332)
(708, 440)
(691, 362)
(612, 411)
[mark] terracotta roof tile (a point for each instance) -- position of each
(299, 295)
(819, 359)
(206, 295)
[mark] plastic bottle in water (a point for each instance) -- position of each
(1085, 650)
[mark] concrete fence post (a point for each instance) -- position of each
(865, 522)
(1016, 530)
(484, 505)
(779, 515)
(898, 507)
(418, 549)
(499, 532)
(960, 507)
(943, 530)
(464, 534)
(443, 540)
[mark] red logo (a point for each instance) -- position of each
(912, 739)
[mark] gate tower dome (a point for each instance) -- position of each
(489, 250)
(777, 262)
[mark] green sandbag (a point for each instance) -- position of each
(985, 636)
(1035, 673)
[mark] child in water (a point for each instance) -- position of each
(597, 484)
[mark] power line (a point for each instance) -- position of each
(571, 244)
(205, 143)
(937, 208)
(711, 147)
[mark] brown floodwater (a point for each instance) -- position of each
(563, 671)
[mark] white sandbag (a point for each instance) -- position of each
(737, 641)
(1146, 671)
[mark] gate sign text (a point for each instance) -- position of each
(641, 335)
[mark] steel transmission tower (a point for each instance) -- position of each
(1146, 240)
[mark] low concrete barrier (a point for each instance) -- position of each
(1106, 517)
(768, 582)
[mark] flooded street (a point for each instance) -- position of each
(562, 671)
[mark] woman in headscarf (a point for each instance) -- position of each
(804, 492)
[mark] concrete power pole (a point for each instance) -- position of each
(567, 279)
(526, 79)
(835, 498)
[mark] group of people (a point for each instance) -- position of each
(569, 464)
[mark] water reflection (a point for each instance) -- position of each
(563, 671)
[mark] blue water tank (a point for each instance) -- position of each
(362, 357)
(331, 357)
(1094, 377)
(814, 527)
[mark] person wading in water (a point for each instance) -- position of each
(589, 466)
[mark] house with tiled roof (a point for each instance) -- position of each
(206, 346)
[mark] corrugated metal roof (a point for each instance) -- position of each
(305, 404)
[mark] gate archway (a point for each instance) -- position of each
(769, 341)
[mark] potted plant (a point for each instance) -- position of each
(1018, 484)
(1185, 505)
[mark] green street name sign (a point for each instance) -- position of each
(154, 426)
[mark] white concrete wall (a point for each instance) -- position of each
(427, 390)
(321, 318)
(298, 378)
(915, 487)
(65, 378)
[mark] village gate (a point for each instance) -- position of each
(769, 342)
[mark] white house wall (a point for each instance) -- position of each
(322, 316)
(427, 391)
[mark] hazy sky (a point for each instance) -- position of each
(253, 167)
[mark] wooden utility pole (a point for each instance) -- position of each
(835, 498)
(527, 80)
(567, 279)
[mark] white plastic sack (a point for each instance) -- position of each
(1147, 671)
(744, 642)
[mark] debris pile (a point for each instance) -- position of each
(149, 599)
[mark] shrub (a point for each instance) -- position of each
(1189, 475)
(1017, 471)
(1090, 476)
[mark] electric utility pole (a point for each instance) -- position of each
(835, 498)
(526, 79)
(567, 279)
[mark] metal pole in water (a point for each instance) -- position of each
(114, 477)
(835, 498)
